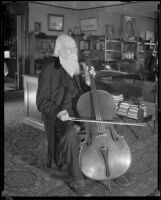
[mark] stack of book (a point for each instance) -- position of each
(123, 108)
(117, 99)
(133, 111)
(144, 108)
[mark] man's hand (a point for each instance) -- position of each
(92, 71)
(87, 71)
(86, 68)
(63, 115)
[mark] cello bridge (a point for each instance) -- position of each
(103, 148)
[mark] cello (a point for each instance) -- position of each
(104, 154)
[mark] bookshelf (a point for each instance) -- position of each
(141, 53)
(121, 52)
(97, 51)
(151, 46)
(129, 55)
(91, 48)
(129, 50)
(112, 50)
(41, 48)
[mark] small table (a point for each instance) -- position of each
(135, 90)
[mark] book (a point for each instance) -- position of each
(132, 110)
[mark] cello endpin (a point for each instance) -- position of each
(107, 184)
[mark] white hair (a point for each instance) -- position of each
(59, 43)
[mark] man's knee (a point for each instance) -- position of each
(71, 133)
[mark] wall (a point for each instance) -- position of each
(39, 13)
(107, 15)
(113, 15)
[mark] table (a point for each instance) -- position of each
(132, 89)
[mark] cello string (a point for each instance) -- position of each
(98, 108)
(100, 111)
(97, 105)
(101, 126)
(94, 101)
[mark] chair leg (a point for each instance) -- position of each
(49, 159)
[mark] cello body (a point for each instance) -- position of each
(104, 154)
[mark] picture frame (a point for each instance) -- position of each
(89, 24)
(110, 34)
(37, 27)
(128, 28)
(55, 22)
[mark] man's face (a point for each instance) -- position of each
(69, 49)
(69, 57)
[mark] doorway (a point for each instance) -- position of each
(10, 51)
(15, 32)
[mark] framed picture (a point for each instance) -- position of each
(55, 22)
(37, 27)
(110, 34)
(89, 24)
(128, 28)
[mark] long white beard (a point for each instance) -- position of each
(70, 65)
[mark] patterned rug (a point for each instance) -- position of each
(26, 174)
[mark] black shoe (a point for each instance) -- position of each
(49, 161)
(62, 167)
(80, 188)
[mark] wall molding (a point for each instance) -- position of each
(98, 7)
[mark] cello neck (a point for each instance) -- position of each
(97, 108)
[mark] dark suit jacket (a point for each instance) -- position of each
(52, 82)
(50, 90)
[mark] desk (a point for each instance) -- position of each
(135, 90)
(132, 88)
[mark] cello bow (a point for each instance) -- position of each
(106, 122)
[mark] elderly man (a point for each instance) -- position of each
(59, 88)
